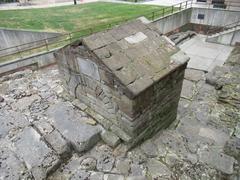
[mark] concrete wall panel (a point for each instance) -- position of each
(12, 37)
(174, 21)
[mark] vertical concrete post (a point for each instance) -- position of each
(46, 44)
(153, 14)
(19, 52)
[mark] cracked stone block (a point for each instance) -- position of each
(221, 162)
(183, 107)
(123, 166)
(105, 163)
(156, 169)
(149, 148)
(113, 177)
(232, 148)
(213, 77)
(25, 102)
(188, 89)
(80, 175)
(96, 176)
(171, 159)
(218, 136)
(172, 141)
(137, 170)
(11, 122)
(43, 126)
(194, 75)
(11, 168)
(89, 163)
(110, 139)
(136, 178)
(67, 169)
(68, 122)
(58, 143)
(79, 105)
(38, 157)
(237, 130)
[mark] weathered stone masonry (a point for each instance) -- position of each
(130, 77)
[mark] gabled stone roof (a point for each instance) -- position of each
(135, 52)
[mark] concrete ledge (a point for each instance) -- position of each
(39, 60)
(15, 37)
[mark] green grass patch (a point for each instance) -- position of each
(74, 18)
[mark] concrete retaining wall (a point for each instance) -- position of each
(38, 60)
(13, 37)
(174, 21)
(212, 17)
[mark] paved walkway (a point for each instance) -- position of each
(17, 6)
(204, 55)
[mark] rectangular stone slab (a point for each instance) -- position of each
(38, 157)
(68, 122)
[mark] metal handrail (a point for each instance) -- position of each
(222, 28)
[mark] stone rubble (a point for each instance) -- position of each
(45, 134)
(181, 37)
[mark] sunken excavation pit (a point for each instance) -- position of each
(130, 76)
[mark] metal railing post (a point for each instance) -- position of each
(186, 5)
(109, 26)
(153, 14)
(172, 9)
(163, 12)
(180, 7)
(70, 37)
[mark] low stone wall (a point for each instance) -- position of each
(37, 60)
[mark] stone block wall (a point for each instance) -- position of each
(133, 119)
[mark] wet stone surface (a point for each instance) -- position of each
(45, 134)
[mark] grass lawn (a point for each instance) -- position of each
(73, 18)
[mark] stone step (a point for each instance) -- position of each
(71, 124)
(40, 160)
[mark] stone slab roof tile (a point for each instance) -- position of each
(127, 75)
(135, 52)
(117, 61)
(140, 85)
(98, 40)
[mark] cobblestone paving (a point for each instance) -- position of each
(44, 134)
